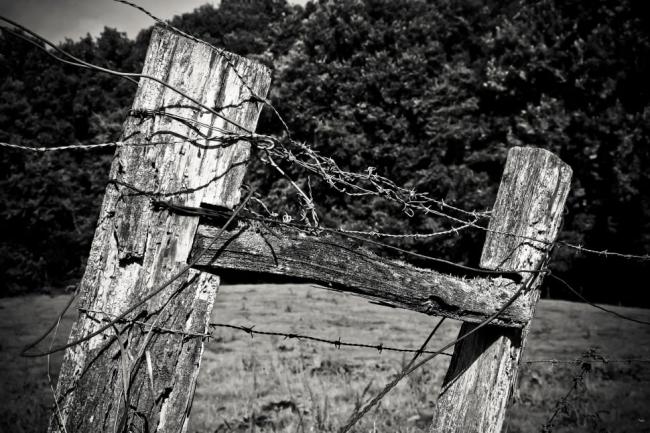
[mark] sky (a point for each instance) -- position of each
(58, 19)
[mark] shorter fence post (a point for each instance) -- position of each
(483, 369)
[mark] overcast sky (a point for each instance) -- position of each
(58, 19)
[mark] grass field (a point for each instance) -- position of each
(273, 384)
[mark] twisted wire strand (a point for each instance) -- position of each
(211, 213)
(127, 75)
(571, 289)
(323, 167)
(423, 202)
(43, 149)
(378, 234)
(253, 330)
(25, 351)
(340, 180)
(302, 147)
(604, 253)
(561, 405)
(359, 413)
(221, 51)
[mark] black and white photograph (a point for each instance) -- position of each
(336, 216)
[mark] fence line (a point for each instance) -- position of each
(362, 184)
(153, 293)
(562, 404)
(325, 168)
(594, 305)
(584, 361)
(253, 330)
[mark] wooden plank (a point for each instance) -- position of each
(483, 369)
(138, 247)
(343, 266)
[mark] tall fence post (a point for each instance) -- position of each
(134, 377)
(483, 370)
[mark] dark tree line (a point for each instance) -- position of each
(431, 94)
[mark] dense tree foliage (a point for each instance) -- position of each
(431, 94)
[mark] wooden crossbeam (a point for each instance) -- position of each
(121, 377)
(343, 266)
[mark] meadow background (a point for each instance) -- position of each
(431, 94)
(276, 385)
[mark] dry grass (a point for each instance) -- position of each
(272, 384)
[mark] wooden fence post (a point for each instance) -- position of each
(128, 378)
(483, 369)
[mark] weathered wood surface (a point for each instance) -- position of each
(332, 262)
(483, 369)
(137, 247)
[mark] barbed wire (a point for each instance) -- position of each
(259, 141)
(50, 382)
(74, 62)
(67, 147)
(604, 360)
(150, 295)
(416, 201)
(268, 142)
(361, 411)
(378, 234)
(325, 168)
(369, 184)
(380, 347)
(569, 287)
(213, 213)
(329, 171)
(127, 75)
(227, 56)
(253, 330)
(578, 380)
(604, 253)
(585, 361)
(338, 343)
(514, 274)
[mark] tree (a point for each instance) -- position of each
(429, 93)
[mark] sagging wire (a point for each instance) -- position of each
(25, 351)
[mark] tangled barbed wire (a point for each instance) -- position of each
(585, 367)
(272, 150)
(299, 154)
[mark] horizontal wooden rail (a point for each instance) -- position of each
(342, 266)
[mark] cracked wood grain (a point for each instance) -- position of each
(483, 371)
(343, 266)
(137, 247)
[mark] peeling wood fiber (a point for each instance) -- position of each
(342, 266)
(483, 370)
(138, 247)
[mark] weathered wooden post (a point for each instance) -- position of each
(126, 379)
(483, 369)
